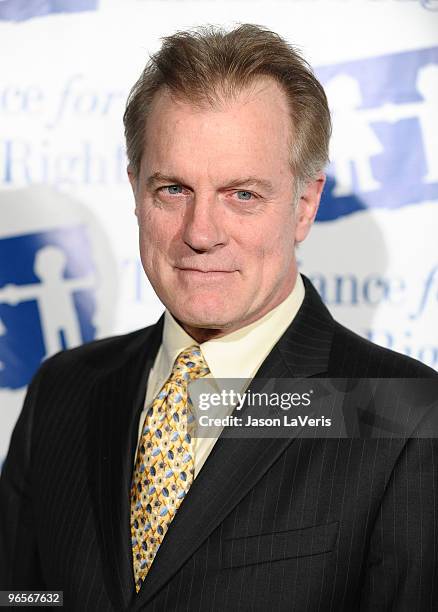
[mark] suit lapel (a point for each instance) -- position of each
(115, 405)
(306, 344)
(235, 465)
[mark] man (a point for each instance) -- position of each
(105, 492)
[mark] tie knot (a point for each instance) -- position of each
(190, 364)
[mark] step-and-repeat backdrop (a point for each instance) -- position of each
(69, 267)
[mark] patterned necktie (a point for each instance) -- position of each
(164, 467)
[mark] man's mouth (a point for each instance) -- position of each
(202, 275)
(206, 271)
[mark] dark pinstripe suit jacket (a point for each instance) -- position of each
(268, 524)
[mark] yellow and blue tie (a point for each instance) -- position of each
(164, 467)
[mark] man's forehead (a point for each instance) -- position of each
(226, 144)
(221, 97)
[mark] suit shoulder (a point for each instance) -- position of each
(355, 356)
(99, 355)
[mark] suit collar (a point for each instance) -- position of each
(306, 345)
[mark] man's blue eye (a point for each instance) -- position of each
(174, 189)
(244, 195)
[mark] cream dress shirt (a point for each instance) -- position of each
(237, 355)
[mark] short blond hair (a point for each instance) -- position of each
(206, 63)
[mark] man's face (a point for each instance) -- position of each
(214, 202)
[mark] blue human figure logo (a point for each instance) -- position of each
(54, 298)
(425, 111)
(353, 142)
(384, 147)
(48, 301)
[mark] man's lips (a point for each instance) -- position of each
(201, 276)
(201, 271)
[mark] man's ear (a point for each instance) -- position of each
(307, 206)
(133, 179)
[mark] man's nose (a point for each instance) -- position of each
(203, 224)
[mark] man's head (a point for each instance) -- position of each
(227, 137)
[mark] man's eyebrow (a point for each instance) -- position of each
(159, 177)
(248, 181)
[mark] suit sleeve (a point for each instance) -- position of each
(19, 562)
(402, 566)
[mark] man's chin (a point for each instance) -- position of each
(202, 322)
(203, 318)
